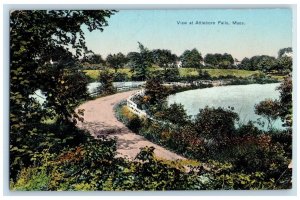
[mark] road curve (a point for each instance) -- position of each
(99, 119)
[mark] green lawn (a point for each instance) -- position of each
(188, 72)
(234, 72)
(218, 72)
(94, 74)
(280, 78)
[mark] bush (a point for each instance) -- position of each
(135, 124)
(216, 123)
(121, 77)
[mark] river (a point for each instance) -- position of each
(241, 97)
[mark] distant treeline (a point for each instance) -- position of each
(191, 59)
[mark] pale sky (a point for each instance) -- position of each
(264, 31)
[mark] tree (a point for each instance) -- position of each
(155, 91)
(273, 109)
(246, 64)
(284, 51)
(227, 61)
(38, 37)
(172, 74)
(116, 61)
(191, 59)
(140, 62)
(216, 123)
(286, 101)
(211, 60)
(164, 58)
(93, 59)
(284, 64)
(266, 63)
(106, 79)
(269, 109)
(219, 60)
(176, 114)
(203, 74)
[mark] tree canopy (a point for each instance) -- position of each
(164, 58)
(219, 60)
(116, 61)
(140, 62)
(283, 51)
(42, 43)
(191, 59)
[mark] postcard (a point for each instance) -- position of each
(151, 100)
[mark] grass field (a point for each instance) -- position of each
(217, 72)
(280, 78)
(94, 74)
(233, 72)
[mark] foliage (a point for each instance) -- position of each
(284, 64)
(286, 102)
(203, 74)
(164, 58)
(247, 158)
(216, 123)
(140, 62)
(41, 59)
(155, 91)
(116, 61)
(181, 118)
(93, 59)
(121, 77)
(280, 65)
(283, 51)
(106, 79)
(92, 166)
(273, 109)
(171, 75)
(191, 59)
(224, 61)
(269, 109)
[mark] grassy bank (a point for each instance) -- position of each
(93, 75)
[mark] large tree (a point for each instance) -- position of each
(164, 58)
(191, 59)
(93, 59)
(283, 108)
(140, 62)
(116, 61)
(41, 58)
(266, 63)
(219, 60)
(282, 52)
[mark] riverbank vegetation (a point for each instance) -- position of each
(212, 136)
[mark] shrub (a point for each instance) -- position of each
(120, 77)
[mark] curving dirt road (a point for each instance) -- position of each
(99, 119)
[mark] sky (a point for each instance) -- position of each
(262, 32)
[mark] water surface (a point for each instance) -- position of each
(241, 97)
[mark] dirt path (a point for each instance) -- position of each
(99, 119)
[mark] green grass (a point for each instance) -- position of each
(188, 72)
(218, 72)
(94, 74)
(233, 72)
(280, 78)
